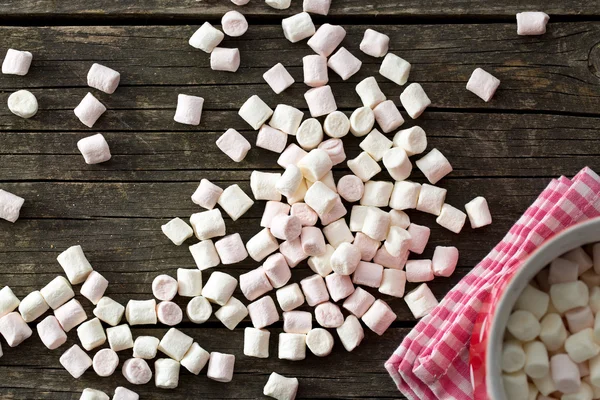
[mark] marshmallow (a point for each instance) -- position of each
(553, 332)
(594, 365)
(164, 287)
(397, 163)
(23, 104)
(431, 199)
(220, 367)
(103, 78)
(419, 271)
(565, 373)
(263, 312)
(562, 271)
(376, 144)
(219, 288)
(382, 257)
(362, 121)
(273, 208)
(413, 140)
(364, 166)
(286, 227)
(70, 314)
(337, 212)
(263, 185)
(579, 257)
(399, 218)
(10, 206)
(33, 306)
(379, 317)
(92, 394)
(235, 202)
(414, 100)
(387, 115)
(406, 195)
(483, 84)
(234, 24)
(255, 283)
(319, 342)
(321, 264)
(309, 134)
(320, 101)
(326, 39)
(299, 195)
(195, 359)
(359, 302)
(337, 233)
(255, 112)
(206, 224)
(145, 347)
(368, 274)
(175, 344)
(394, 68)
(122, 393)
(314, 290)
(444, 261)
(336, 125)
(513, 356)
(198, 310)
(287, 119)
(351, 333)
(581, 345)
(280, 387)
(374, 43)
(277, 270)
(316, 6)
(189, 108)
(278, 78)
(205, 254)
(515, 385)
(75, 265)
(533, 300)
(136, 371)
(434, 166)
(335, 149)
(206, 38)
(279, 4)
(105, 362)
(233, 144)
(367, 246)
(532, 23)
(344, 63)
(189, 282)
(369, 92)
(451, 218)
(293, 252)
(314, 68)
(350, 187)
(523, 325)
(256, 342)
(298, 27)
(290, 297)
(16, 62)
(329, 315)
(398, 241)
(94, 149)
(297, 322)
(89, 110)
(222, 59)
(177, 231)
(292, 346)
(232, 313)
(291, 155)
(393, 282)
(313, 241)
(141, 312)
(166, 373)
(314, 166)
(169, 313)
(586, 391)
(91, 334)
(357, 217)
(594, 298)
(75, 361)
(345, 259)
(55, 293)
(421, 301)
(537, 363)
(376, 194)
(377, 223)
(320, 198)
(566, 296)
(51, 333)
(94, 287)
(339, 286)
(478, 212)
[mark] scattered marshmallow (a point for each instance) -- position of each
(198, 310)
(297, 322)
(93, 394)
(255, 283)
(279, 4)
(277, 270)
(483, 84)
(320, 342)
(367, 246)
(89, 110)
(532, 23)
(368, 274)
(339, 286)
(189, 282)
(376, 223)
(164, 287)
(398, 241)
(280, 387)
(273, 208)
(314, 166)
(314, 290)
(103, 78)
(33, 306)
(256, 342)
(234, 24)
(75, 264)
(263, 312)
(335, 149)
(175, 344)
(350, 187)
(293, 252)
(379, 317)
(169, 313)
(351, 333)
(207, 224)
(292, 346)
(369, 92)
(189, 109)
(278, 78)
(286, 227)
(14, 329)
(91, 334)
(320, 101)
(374, 43)
(326, 39)
(362, 121)
(235, 202)
(364, 166)
(122, 393)
(397, 163)
(321, 264)
(177, 231)
(344, 63)
(299, 195)
(290, 297)
(310, 134)
(421, 301)
(313, 241)
(478, 212)
(55, 293)
(414, 100)
(413, 140)
(94, 287)
(320, 198)
(195, 359)
(405, 195)
(261, 245)
(399, 218)
(75, 361)
(345, 259)
(451, 218)
(263, 185)
(419, 237)
(286, 118)
(431, 199)
(166, 372)
(336, 125)
(337, 233)
(376, 144)
(141, 312)
(220, 367)
(219, 288)
(10, 206)
(298, 27)
(387, 115)
(434, 166)
(234, 145)
(145, 347)
(105, 362)
(205, 254)
(376, 194)
(394, 68)
(70, 315)
(291, 155)
(16, 62)
(136, 371)
(23, 103)
(320, 7)
(232, 313)
(329, 315)
(206, 38)
(393, 282)
(51, 333)
(223, 59)
(444, 260)
(255, 112)
(314, 68)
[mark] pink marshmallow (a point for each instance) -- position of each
(379, 317)
(89, 110)
(189, 109)
(222, 59)
(169, 313)
(14, 329)
(286, 227)
(234, 24)
(579, 318)
(314, 290)
(483, 84)
(51, 333)
(326, 39)
(94, 287)
(444, 260)
(136, 371)
(94, 149)
(359, 302)
(220, 367)
(335, 150)
(255, 283)
(320, 7)
(320, 101)
(339, 286)
(278, 78)
(532, 23)
(388, 116)
(306, 215)
(16, 62)
(70, 314)
(297, 322)
(313, 241)
(565, 373)
(562, 271)
(291, 155)
(419, 271)
(293, 252)
(263, 312)
(207, 194)
(231, 249)
(337, 212)
(103, 78)
(277, 270)
(271, 139)
(368, 274)
(75, 361)
(344, 63)
(367, 246)
(419, 237)
(272, 209)
(329, 315)
(164, 287)
(374, 43)
(350, 187)
(314, 67)
(105, 362)
(382, 257)
(233, 145)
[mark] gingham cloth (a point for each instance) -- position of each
(432, 362)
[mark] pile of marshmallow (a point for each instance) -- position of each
(551, 345)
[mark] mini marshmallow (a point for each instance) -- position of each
(263, 312)
(175, 344)
(359, 302)
(291, 155)
(394, 68)
(33, 306)
(141, 312)
(273, 208)
(189, 282)
(350, 187)
(122, 393)
(562, 271)
(298, 27)
(75, 265)
(177, 231)
(336, 125)
(413, 140)
(376, 194)
(478, 212)
(579, 318)
(75, 361)
(566, 296)
(314, 68)
(399, 218)
(278, 78)
(398, 241)
(261, 245)
(337, 233)
(376, 224)
(532, 23)
(431, 199)
(195, 359)
(515, 385)
(451, 218)
(382, 257)
(233, 144)
(290, 297)
(314, 166)
(523, 325)
(297, 322)
(364, 166)
(206, 224)
(263, 185)
(23, 103)
(345, 259)
(55, 293)
(314, 290)
(70, 315)
(320, 198)
(164, 287)
(444, 261)
(335, 149)
(594, 298)
(533, 300)
(309, 134)
(406, 195)
(198, 310)
(286, 118)
(329, 315)
(279, 4)
(220, 367)
(89, 110)
(414, 100)
(362, 121)
(280, 387)
(92, 394)
(232, 313)
(271, 139)
(293, 252)
(94, 287)
(338, 211)
(344, 63)
(513, 356)
(256, 342)
(368, 274)
(255, 283)
(553, 332)
(316, 6)
(320, 101)
(419, 271)
(105, 362)
(319, 342)
(321, 264)
(205, 254)
(206, 38)
(292, 346)
(545, 385)
(379, 317)
(51, 333)
(374, 43)
(351, 333)
(421, 301)
(393, 282)
(234, 24)
(357, 217)
(286, 227)
(387, 115)
(94, 149)
(219, 288)
(581, 346)
(326, 39)
(579, 257)
(223, 59)
(277, 270)
(14, 329)
(189, 109)
(586, 391)
(537, 363)
(103, 78)
(10, 206)
(91, 334)
(16, 62)
(166, 373)
(483, 84)
(369, 92)
(145, 347)
(339, 286)
(397, 163)
(169, 313)
(434, 166)
(313, 241)
(299, 195)
(136, 371)
(376, 144)
(255, 112)
(235, 202)
(367, 246)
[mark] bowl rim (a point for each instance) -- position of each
(578, 235)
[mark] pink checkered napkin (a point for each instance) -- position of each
(432, 362)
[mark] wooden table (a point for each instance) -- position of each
(543, 122)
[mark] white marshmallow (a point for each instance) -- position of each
(377, 193)
(103, 78)
(532, 23)
(320, 342)
(537, 363)
(374, 43)
(478, 212)
(483, 84)
(515, 385)
(286, 118)
(141, 312)
(51, 333)
(89, 110)
(329, 315)
(290, 297)
(233, 144)
(421, 301)
(92, 394)
(553, 332)
(379, 317)
(175, 344)
(434, 166)
(376, 224)
(444, 261)
(297, 322)
(431, 199)
(316, 6)
(205, 254)
(314, 290)
(320, 198)
(369, 92)
(122, 393)
(195, 359)
(70, 315)
(14, 329)
(75, 265)
(235, 202)
(277, 270)
(320, 101)
(91, 334)
(376, 144)
(310, 134)
(579, 257)
(278, 78)
(413, 140)
(364, 166)
(189, 109)
(414, 100)
(357, 217)
(10, 206)
(314, 68)
(263, 185)
(533, 300)
(395, 69)
(234, 24)
(419, 271)
(232, 313)
(569, 295)
(523, 325)
(94, 149)
(298, 27)
(119, 337)
(272, 209)
(23, 104)
(206, 38)
(315, 165)
(313, 241)
(293, 252)
(166, 373)
(362, 121)
(220, 367)
(261, 245)
(388, 116)
(255, 112)
(94, 287)
(344, 63)
(321, 264)
(513, 356)
(335, 149)
(136, 371)
(256, 342)
(397, 163)
(451, 218)
(164, 287)
(581, 346)
(75, 361)
(337, 233)
(219, 288)
(56, 293)
(291, 155)
(545, 386)
(279, 4)
(292, 346)
(299, 195)
(189, 282)
(384, 258)
(326, 39)
(399, 218)
(286, 227)
(222, 59)
(33, 306)
(169, 313)
(16, 62)
(345, 259)
(198, 310)
(145, 347)
(351, 333)
(177, 231)
(280, 387)
(263, 312)
(336, 125)
(207, 224)
(397, 241)
(405, 195)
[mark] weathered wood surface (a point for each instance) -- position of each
(543, 122)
